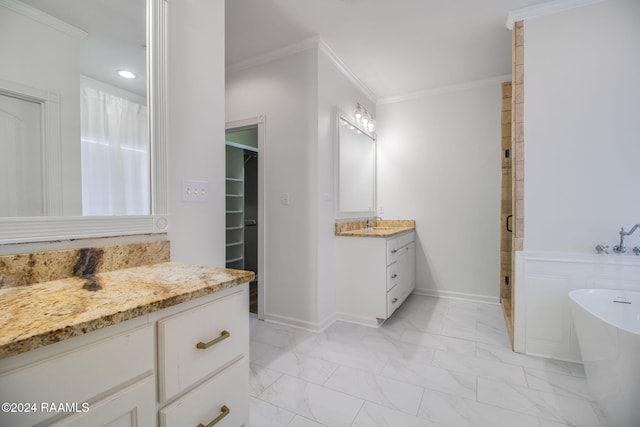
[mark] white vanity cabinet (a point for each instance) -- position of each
(375, 275)
(146, 371)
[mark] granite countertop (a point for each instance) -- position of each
(380, 228)
(375, 232)
(44, 313)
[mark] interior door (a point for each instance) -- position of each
(21, 193)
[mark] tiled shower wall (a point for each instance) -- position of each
(518, 135)
(506, 192)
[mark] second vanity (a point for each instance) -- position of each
(164, 344)
(375, 269)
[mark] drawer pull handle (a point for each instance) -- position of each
(394, 275)
(224, 411)
(393, 251)
(204, 345)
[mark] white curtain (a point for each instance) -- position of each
(115, 155)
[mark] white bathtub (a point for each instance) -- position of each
(607, 323)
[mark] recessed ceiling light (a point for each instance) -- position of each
(127, 74)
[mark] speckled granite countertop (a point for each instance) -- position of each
(380, 228)
(40, 314)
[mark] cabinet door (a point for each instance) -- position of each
(402, 267)
(96, 368)
(411, 267)
(407, 268)
(133, 406)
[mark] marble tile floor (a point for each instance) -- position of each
(436, 362)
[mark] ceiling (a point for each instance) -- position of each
(395, 47)
(116, 37)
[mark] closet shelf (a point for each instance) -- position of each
(234, 206)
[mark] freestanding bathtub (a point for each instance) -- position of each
(608, 328)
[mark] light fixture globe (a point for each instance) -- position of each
(365, 119)
(358, 112)
(371, 126)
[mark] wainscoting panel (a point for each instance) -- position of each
(543, 322)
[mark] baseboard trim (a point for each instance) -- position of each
(359, 320)
(299, 323)
(318, 327)
(457, 295)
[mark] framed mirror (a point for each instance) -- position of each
(355, 170)
(49, 198)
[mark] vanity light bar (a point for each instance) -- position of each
(364, 119)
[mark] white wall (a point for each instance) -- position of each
(582, 148)
(195, 110)
(284, 91)
(582, 127)
(439, 163)
(299, 94)
(335, 92)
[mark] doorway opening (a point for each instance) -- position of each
(244, 204)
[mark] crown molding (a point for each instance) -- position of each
(446, 89)
(544, 9)
(310, 43)
(335, 59)
(44, 18)
(273, 55)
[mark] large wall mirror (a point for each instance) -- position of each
(355, 170)
(83, 142)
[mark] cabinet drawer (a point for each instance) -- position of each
(395, 245)
(394, 299)
(223, 325)
(78, 375)
(228, 390)
(393, 275)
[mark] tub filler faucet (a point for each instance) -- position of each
(620, 249)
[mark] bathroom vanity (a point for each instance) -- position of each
(375, 269)
(164, 344)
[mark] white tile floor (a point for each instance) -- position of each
(435, 362)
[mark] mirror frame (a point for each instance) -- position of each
(340, 214)
(55, 228)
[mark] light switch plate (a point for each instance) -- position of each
(195, 191)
